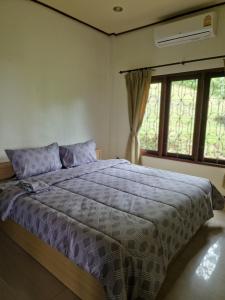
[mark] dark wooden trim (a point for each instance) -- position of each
(166, 114)
(133, 29)
(171, 18)
(69, 16)
(150, 152)
(180, 156)
(162, 115)
(198, 117)
(204, 117)
(201, 111)
(184, 76)
(214, 161)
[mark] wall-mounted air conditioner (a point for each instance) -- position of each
(187, 30)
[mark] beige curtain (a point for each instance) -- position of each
(138, 83)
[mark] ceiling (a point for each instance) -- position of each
(136, 13)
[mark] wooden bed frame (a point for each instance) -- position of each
(84, 285)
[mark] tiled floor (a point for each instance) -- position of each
(197, 273)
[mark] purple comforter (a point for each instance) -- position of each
(120, 222)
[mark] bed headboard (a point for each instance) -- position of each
(6, 169)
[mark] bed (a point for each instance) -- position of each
(109, 229)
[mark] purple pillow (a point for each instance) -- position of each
(78, 154)
(34, 161)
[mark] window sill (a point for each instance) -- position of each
(184, 160)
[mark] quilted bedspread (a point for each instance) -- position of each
(120, 222)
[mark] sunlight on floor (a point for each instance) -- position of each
(209, 262)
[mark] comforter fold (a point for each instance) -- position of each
(9, 194)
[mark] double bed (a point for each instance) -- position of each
(109, 229)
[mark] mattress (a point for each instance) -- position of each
(120, 222)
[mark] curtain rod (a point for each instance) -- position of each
(174, 64)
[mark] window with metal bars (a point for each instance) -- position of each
(185, 117)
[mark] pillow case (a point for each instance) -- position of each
(78, 154)
(34, 161)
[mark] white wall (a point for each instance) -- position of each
(137, 49)
(59, 81)
(54, 78)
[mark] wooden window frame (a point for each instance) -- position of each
(200, 122)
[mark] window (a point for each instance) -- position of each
(149, 134)
(185, 117)
(215, 128)
(181, 116)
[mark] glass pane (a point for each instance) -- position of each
(215, 129)
(182, 116)
(149, 133)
